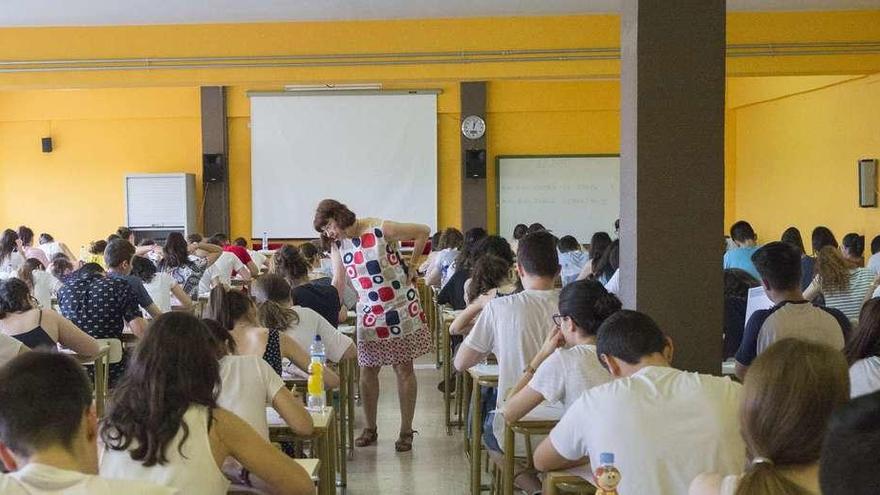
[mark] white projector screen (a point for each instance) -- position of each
(377, 153)
(570, 195)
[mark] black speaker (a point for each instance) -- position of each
(475, 164)
(47, 144)
(212, 167)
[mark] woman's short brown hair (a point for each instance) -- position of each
(330, 209)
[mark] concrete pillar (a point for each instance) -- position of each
(672, 171)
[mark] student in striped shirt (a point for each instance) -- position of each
(844, 285)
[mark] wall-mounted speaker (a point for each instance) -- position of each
(47, 144)
(475, 164)
(212, 167)
(868, 183)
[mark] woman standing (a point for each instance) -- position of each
(391, 329)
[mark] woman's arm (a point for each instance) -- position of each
(553, 341)
(298, 356)
(405, 231)
(242, 442)
(814, 289)
(182, 297)
(586, 271)
(463, 323)
(521, 402)
(294, 413)
(208, 251)
(70, 336)
(339, 276)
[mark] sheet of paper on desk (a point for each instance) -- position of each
(273, 418)
(757, 300)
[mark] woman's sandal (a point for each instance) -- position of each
(404, 441)
(368, 437)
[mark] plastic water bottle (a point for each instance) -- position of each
(316, 351)
(265, 246)
(607, 476)
(317, 397)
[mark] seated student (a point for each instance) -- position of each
(788, 398)
(498, 247)
(519, 231)
(11, 252)
(432, 256)
(863, 351)
(30, 251)
(736, 292)
(793, 236)
(276, 310)
(117, 258)
(126, 233)
(853, 248)
(184, 437)
(101, 306)
(779, 264)
(874, 260)
(240, 252)
(746, 244)
(572, 258)
(223, 270)
(848, 463)
(257, 257)
(159, 285)
(491, 279)
(94, 253)
(320, 297)
(440, 271)
(60, 267)
(599, 243)
(237, 313)
(452, 292)
(177, 263)
(52, 247)
(567, 364)
(39, 328)
(41, 283)
(9, 348)
(514, 327)
(321, 272)
(844, 285)
(664, 426)
(48, 441)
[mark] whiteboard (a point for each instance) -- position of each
(570, 195)
(377, 153)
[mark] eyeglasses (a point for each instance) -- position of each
(558, 319)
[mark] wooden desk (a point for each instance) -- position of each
(323, 440)
(540, 421)
(311, 466)
(101, 363)
(481, 375)
(566, 482)
(446, 318)
(351, 318)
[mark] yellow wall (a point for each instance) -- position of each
(796, 160)
(148, 120)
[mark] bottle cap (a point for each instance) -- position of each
(317, 337)
(606, 458)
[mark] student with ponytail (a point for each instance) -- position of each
(237, 313)
(276, 310)
(788, 396)
(325, 299)
(853, 248)
(567, 364)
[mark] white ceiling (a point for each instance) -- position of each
(120, 12)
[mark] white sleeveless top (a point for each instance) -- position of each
(195, 473)
(159, 290)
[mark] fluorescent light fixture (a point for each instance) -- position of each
(333, 87)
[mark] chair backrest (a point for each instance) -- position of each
(115, 345)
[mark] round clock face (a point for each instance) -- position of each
(473, 127)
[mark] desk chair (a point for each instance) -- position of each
(102, 371)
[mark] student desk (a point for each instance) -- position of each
(101, 362)
(566, 482)
(446, 318)
(728, 368)
(351, 318)
(323, 440)
(539, 421)
(485, 375)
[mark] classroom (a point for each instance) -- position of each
(601, 246)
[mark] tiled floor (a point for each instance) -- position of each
(436, 465)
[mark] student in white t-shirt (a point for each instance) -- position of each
(863, 351)
(567, 365)
(52, 247)
(226, 266)
(177, 373)
(664, 426)
(49, 430)
(788, 397)
(276, 310)
(514, 327)
(160, 285)
(11, 249)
